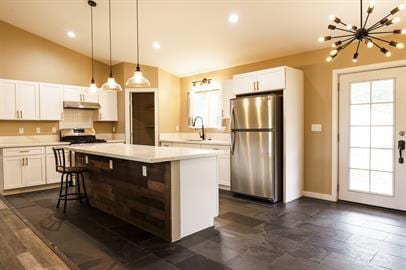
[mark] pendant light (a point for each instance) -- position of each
(92, 86)
(137, 80)
(364, 33)
(111, 84)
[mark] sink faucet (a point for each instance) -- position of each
(202, 136)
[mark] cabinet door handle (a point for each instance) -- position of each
(254, 86)
(257, 85)
(21, 114)
(26, 161)
(23, 160)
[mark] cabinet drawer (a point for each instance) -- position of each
(48, 149)
(25, 151)
(166, 144)
(225, 150)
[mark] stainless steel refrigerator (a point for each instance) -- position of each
(257, 146)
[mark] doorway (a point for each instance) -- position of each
(372, 124)
(143, 118)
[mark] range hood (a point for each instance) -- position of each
(81, 105)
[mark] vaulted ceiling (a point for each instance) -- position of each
(195, 35)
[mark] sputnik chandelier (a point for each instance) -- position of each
(364, 33)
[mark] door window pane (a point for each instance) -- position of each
(360, 93)
(359, 180)
(382, 137)
(359, 136)
(382, 91)
(360, 115)
(382, 114)
(382, 183)
(359, 158)
(382, 160)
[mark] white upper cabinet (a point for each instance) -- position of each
(244, 83)
(271, 79)
(108, 104)
(259, 81)
(227, 94)
(90, 96)
(50, 98)
(19, 100)
(72, 93)
(8, 90)
(27, 100)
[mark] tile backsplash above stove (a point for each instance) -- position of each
(77, 119)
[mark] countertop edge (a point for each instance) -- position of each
(196, 142)
(16, 145)
(155, 160)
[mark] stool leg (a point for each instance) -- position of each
(84, 188)
(60, 190)
(78, 187)
(68, 176)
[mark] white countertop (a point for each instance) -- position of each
(31, 144)
(143, 153)
(191, 141)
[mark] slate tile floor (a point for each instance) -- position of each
(304, 234)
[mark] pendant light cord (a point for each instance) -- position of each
(111, 72)
(362, 21)
(138, 41)
(91, 31)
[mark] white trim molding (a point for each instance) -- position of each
(321, 196)
(334, 124)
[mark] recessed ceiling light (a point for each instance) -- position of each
(233, 18)
(71, 34)
(156, 45)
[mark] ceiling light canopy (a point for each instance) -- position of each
(111, 84)
(363, 33)
(92, 86)
(138, 80)
(233, 18)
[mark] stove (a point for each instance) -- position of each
(79, 136)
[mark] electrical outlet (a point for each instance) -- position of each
(316, 128)
(177, 128)
(144, 170)
(20, 130)
(38, 130)
(114, 129)
(53, 129)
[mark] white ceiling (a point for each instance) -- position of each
(195, 35)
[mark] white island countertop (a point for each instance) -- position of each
(142, 153)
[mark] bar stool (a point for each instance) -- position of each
(66, 177)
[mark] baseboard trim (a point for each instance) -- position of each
(321, 196)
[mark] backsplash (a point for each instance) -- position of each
(74, 118)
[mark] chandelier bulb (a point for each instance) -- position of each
(333, 52)
(348, 27)
(370, 44)
(396, 20)
(329, 59)
(400, 45)
(403, 31)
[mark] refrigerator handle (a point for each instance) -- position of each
(233, 134)
(232, 118)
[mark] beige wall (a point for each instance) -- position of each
(169, 102)
(317, 85)
(24, 56)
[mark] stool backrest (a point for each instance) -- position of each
(60, 162)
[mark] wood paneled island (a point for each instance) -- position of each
(170, 192)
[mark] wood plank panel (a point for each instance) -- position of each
(122, 191)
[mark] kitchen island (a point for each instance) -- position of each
(170, 192)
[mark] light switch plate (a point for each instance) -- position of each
(20, 130)
(144, 170)
(113, 129)
(177, 128)
(54, 130)
(38, 130)
(316, 128)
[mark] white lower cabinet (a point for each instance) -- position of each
(223, 159)
(23, 171)
(52, 175)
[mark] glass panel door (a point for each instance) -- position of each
(372, 118)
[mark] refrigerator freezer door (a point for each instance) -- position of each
(252, 164)
(252, 112)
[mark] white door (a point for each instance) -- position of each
(244, 83)
(27, 100)
(8, 91)
(108, 104)
(50, 99)
(72, 93)
(271, 79)
(372, 122)
(34, 170)
(12, 168)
